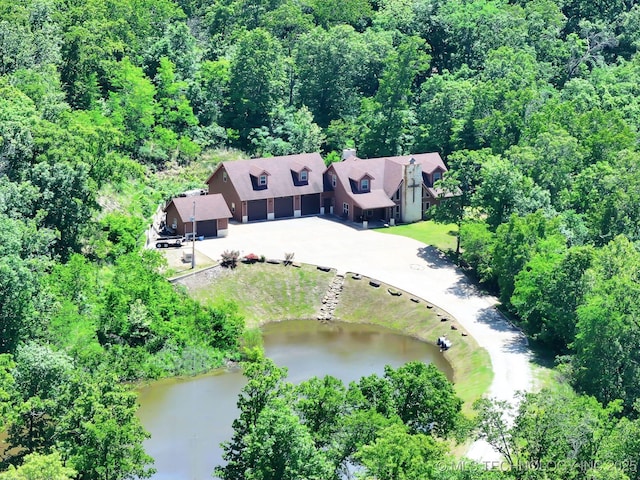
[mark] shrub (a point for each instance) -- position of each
(288, 258)
(230, 258)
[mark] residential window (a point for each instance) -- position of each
(334, 181)
(364, 185)
(303, 176)
(369, 213)
(345, 209)
(397, 211)
(396, 196)
(224, 177)
(262, 181)
(437, 176)
(233, 207)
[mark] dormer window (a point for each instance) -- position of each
(224, 176)
(304, 176)
(364, 185)
(334, 180)
(437, 176)
(262, 180)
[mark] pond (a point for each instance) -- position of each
(188, 418)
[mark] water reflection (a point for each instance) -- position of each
(188, 418)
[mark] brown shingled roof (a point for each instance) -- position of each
(281, 175)
(373, 199)
(208, 207)
(386, 172)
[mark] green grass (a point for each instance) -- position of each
(362, 303)
(442, 236)
(266, 293)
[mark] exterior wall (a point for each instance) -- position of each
(172, 218)
(340, 197)
(218, 185)
(270, 210)
(297, 206)
(223, 227)
(412, 199)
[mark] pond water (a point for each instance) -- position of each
(188, 418)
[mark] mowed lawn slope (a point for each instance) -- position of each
(362, 303)
(266, 292)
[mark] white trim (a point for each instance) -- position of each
(271, 216)
(297, 213)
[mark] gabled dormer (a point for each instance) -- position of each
(360, 181)
(259, 178)
(300, 174)
(430, 178)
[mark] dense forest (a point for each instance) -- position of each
(533, 104)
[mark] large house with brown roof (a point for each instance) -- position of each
(391, 189)
(211, 215)
(270, 188)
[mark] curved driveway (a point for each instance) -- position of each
(404, 263)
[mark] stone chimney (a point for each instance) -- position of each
(412, 192)
(348, 152)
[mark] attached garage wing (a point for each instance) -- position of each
(283, 207)
(311, 204)
(257, 210)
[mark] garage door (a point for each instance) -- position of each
(257, 209)
(284, 207)
(311, 204)
(207, 228)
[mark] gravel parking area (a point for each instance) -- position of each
(405, 263)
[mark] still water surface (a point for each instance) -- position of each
(188, 418)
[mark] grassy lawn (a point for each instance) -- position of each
(441, 236)
(266, 292)
(471, 365)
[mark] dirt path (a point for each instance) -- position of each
(406, 264)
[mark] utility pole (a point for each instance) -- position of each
(193, 238)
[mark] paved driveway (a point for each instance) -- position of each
(404, 263)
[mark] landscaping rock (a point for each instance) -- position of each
(415, 300)
(331, 299)
(324, 269)
(394, 292)
(453, 327)
(356, 276)
(444, 319)
(273, 261)
(373, 283)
